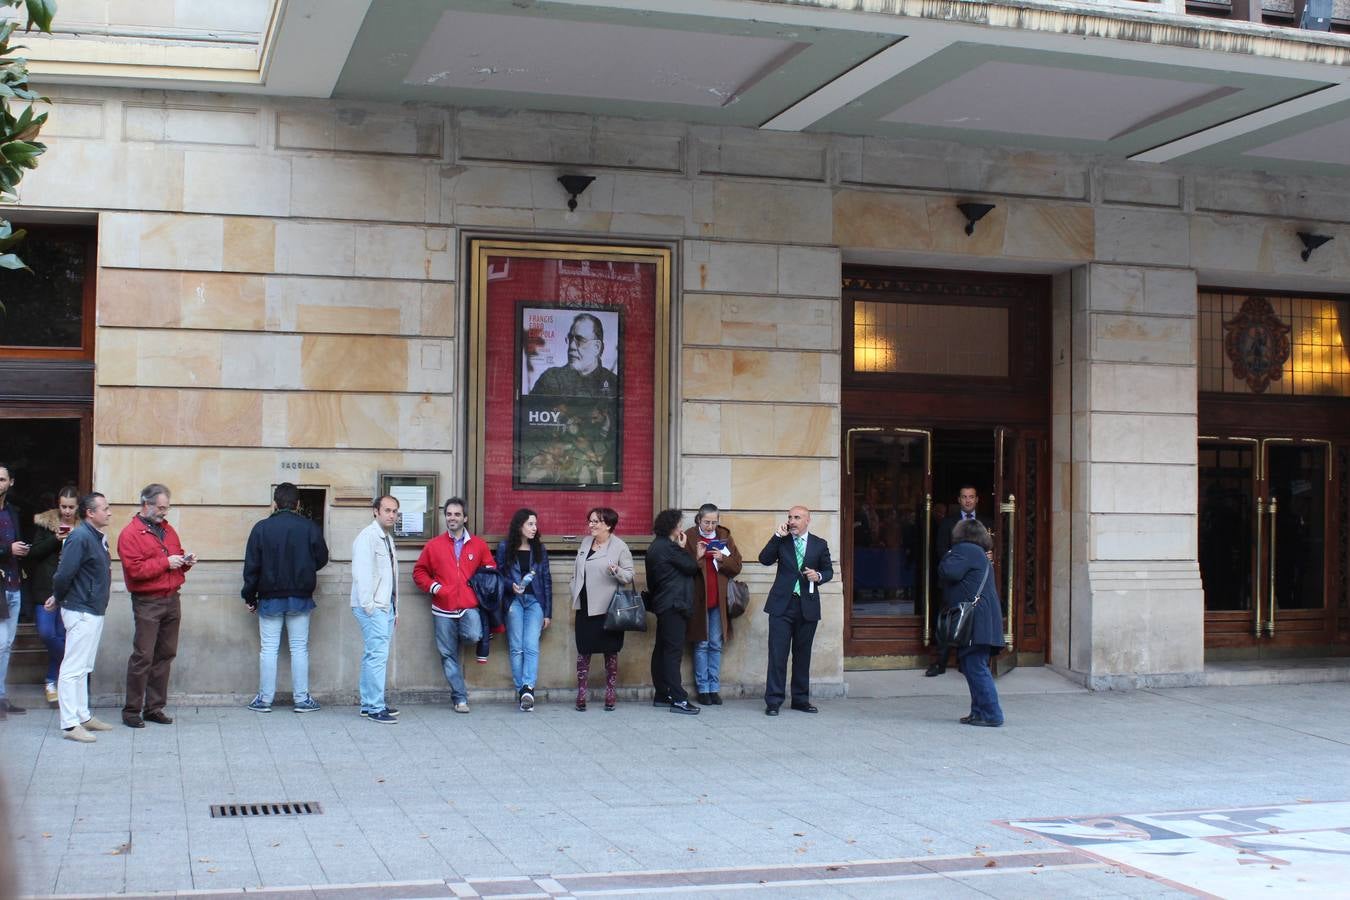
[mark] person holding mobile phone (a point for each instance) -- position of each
(793, 607)
(154, 568)
(719, 560)
(53, 528)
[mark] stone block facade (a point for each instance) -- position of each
(280, 280)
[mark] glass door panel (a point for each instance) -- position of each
(1297, 479)
(1227, 534)
(890, 487)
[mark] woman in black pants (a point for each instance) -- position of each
(670, 584)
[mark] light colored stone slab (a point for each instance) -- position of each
(73, 118)
(1143, 236)
(564, 139)
(1142, 339)
(1134, 537)
(255, 184)
(354, 129)
(728, 151)
(225, 126)
(388, 190)
(1140, 185)
(1141, 388)
(809, 271)
(1142, 488)
(730, 268)
(1142, 438)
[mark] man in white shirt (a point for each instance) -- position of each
(375, 605)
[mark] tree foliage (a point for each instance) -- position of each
(19, 121)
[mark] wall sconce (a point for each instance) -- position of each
(974, 212)
(575, 185)
(1311, 242)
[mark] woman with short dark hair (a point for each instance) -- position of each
(604, 564)
(966, 574)
(670, 587)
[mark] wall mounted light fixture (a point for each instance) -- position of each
(575, 185)
(974, 212)
(1311, 242)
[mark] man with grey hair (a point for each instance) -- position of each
(154, 567)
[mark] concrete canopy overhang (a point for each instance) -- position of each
(1089, 78)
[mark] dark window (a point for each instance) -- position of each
(50, 307)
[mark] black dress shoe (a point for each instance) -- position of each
(805, 707)
(770, 710)
(159, 718)
(716, 698)
(934, 669)
(684, 708)
(133, 721)
(660, 701)
(966, 720)
(985, 723)
(11, 709)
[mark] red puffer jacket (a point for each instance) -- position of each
(145, 558)
(437, 566)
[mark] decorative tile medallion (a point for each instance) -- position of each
(1257, 342)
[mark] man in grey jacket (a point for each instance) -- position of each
(80, 587)
(375, 605)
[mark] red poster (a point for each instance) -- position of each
(569, 386)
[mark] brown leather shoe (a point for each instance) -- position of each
(132, 721)
(158, 717)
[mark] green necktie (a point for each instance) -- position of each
(800, 544)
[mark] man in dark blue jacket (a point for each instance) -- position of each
(793, 606)
(81, 587)
(284, 554)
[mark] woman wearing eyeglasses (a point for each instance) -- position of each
(604, 564)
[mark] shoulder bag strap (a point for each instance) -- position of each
(979, 594)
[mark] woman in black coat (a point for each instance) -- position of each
(670, 589)
(966, 573)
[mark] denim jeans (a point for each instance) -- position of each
(974, 662)
(376, 631)
(8, 627)
(450, 633)
(524, 622)
(53, 633)
(297, 634)
(708, 656)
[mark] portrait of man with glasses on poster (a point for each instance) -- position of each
(569, 401)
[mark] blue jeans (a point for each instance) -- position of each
(376, 631)
(708, 656)
(297, 634)
(524, 622)
(449, 634)
(8, 627)
(974, 663)
(53, 633)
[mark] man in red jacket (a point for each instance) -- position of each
(153, 566)
(443, 570)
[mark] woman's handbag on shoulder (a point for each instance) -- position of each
(738, 599)
(955, 622)
(626, 612)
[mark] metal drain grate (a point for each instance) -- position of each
(250, 810)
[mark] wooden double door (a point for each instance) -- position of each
(900, 481)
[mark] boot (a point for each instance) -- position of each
(611, 679)
(583, 673)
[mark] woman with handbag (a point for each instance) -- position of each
(524, 561)
(719, 563)
(604, 564)
(967, 577)
(670, 584)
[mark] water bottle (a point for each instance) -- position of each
(525, 582)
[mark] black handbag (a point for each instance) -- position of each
(738, 599)
(955, 622)
(626, 612)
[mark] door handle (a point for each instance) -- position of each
(1256, 582)
(1010, 510)
(1270, 622)
(927, 568)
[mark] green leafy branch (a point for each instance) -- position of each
(19, 147)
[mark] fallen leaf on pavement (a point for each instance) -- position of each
(991, 864)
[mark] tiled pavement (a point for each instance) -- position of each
(870, 798)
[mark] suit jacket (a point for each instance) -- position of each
(782, 552)
(594, 574)
(944, 532)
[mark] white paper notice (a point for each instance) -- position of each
(412, 507)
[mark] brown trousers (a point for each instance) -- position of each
(152, 652)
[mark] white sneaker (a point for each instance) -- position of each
(50, 692)
(461, 707)
(78, 734)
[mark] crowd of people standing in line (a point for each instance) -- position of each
(688, 571)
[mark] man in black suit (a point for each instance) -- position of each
(803, 562)
(967, 507)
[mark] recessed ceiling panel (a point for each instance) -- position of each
(1046, 100)
(593, 59)
(1329, 144)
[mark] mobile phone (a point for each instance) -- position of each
(63, 529)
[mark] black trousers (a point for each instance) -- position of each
(666, 655)
(789, 632)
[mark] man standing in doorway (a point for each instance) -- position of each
(967, 508)
(375, 605)
(803, 562)
(284, 554)
(12, 549)
(443, 570)
(80, 588)
(154, 567)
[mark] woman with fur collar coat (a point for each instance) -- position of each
(53, 526)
